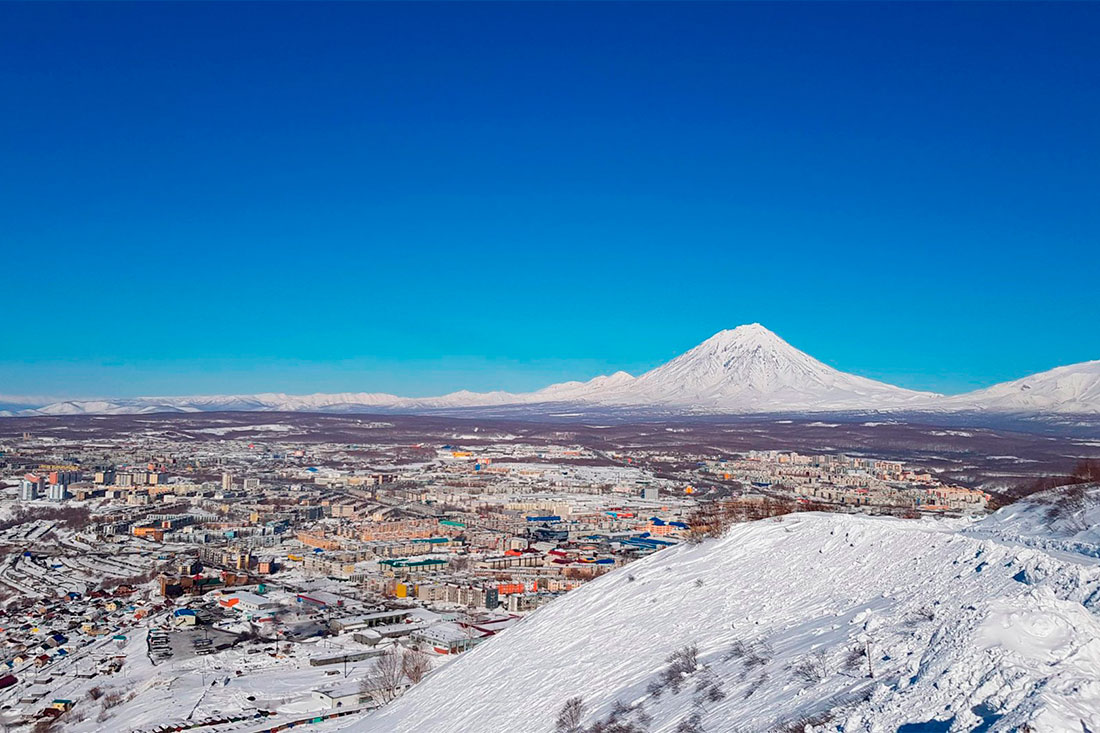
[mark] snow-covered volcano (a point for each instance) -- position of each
(742, 370)
(750, 369)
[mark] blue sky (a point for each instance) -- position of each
(417, 198)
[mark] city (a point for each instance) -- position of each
(230, 551)
(549, 367)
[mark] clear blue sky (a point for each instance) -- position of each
(417, 198)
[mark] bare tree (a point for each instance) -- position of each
(384, 680)
(685, 659)
(853, 658)
(681, 663)
(1087, 470)
(570, 716)
(709, 688)
(415, 664)
(753, 653)
(812, 669)
(619, 710)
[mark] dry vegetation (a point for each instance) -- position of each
(712, 519)
(1066, 500)
(73, 517)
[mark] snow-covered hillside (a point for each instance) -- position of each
(1068, 389)
(743, 370)
(964, 633)
(1066, 519)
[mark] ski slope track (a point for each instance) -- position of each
(747, 369)
(985, 626)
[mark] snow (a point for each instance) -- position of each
(274, 428)
(965, 625)
(1068, 389)
(196, 688)
(1065, 519)
(1057, 637)
(742, 370)
(971, 625)
(749, 368)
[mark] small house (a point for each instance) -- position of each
(341, 697)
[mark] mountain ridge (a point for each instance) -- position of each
(744, 370)
(750, 367)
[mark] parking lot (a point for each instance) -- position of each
(185, 644)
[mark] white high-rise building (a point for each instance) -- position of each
(56, 492)
(28, 490)
(227, 481)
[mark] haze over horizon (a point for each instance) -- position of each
(747, 368)
(422, 198)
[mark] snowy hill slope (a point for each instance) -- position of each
(1065, 519)
(970, 633)
(1067, 389)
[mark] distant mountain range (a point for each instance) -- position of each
(747, 369)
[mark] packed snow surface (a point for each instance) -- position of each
(965, 632)
(1065, 519)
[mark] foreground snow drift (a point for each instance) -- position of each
(964, 633)
(1065, 519)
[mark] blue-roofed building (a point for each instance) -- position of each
(184, 617)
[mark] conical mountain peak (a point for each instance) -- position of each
(745, 340)
(745, 332)
(752, 368)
